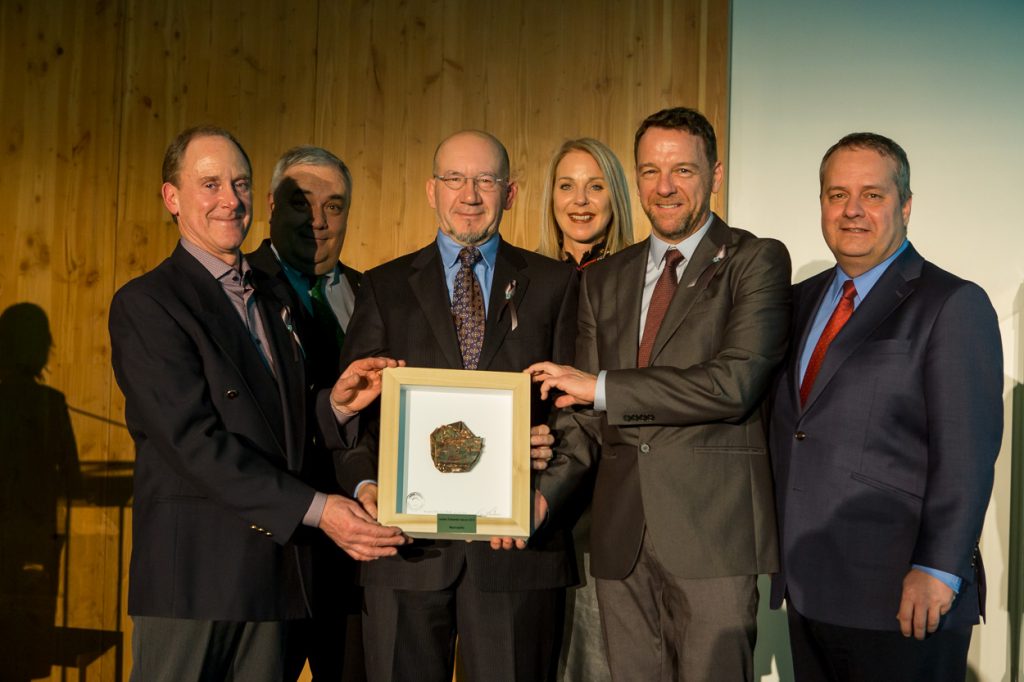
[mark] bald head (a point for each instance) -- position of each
(464, 137)
(470, 188)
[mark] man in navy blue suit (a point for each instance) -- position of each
(887, 419)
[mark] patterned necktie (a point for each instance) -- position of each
(468, 308)
(664, 288)
(839, 317)
(322, 313)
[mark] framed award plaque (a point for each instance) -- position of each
(455, 453)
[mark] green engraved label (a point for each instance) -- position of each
(456, 523)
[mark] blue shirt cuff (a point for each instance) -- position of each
(360, 486)
(951, 581)
(600, 403)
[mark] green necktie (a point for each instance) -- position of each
(322, 313)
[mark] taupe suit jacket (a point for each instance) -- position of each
(681, 448)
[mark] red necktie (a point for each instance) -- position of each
(839, 317)
(662, 296)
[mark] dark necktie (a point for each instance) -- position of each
(664, 288)
(468, 308)
(324, 317)
(839, 317)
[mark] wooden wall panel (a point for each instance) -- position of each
(533, 73)
(94, 92)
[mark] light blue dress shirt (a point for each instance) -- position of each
(863, 283)
(338, 292)
(483, 269)
(655, 264)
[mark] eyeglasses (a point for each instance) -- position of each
(485, 182)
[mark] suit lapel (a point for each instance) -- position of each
(428, 285)
(887, 295)
(509, 267)
(629, 289)
(698, 273)
(804, 313)
(288, 363)
(226, 330)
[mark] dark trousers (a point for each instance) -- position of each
(332, 639)
(503, 636)
(182, 650)
(823, 652)
(659, 627)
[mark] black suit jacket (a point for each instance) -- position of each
(403, 311)
(218, 442)
(321, 354)
(890, 462)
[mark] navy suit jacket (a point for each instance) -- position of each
(890, 462)
(219, 442)
(403, 311)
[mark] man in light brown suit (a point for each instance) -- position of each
(678, 338)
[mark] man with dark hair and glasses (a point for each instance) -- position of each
(468, 300)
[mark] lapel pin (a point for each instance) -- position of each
(510, 291)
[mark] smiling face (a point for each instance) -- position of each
(862, 219)
(469, 215)
(308, 217)
(675, 182)
(581, 201)
(212, 196)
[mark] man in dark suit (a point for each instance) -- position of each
(213, 382)
(468, 300)
(310, 196)
(886, 423)
(678, 338)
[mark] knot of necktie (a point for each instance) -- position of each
(672, 259)
(469, 256)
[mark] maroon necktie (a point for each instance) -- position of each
(839, 317)
(662, 296)
(468, 308)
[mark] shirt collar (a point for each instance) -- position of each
(215, 266)
(450, 250)
(867, 280)
(294, 275)
(685, 247)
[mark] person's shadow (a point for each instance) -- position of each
(39, 474)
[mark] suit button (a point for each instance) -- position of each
(231, 394)
(800, 435)
(645, 448)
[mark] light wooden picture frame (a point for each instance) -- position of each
(492, 499)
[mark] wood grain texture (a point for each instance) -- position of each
(94, 92)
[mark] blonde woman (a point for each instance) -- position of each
(586, 216)
(586, 212)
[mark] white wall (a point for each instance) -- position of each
(946, 81)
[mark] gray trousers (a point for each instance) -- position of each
(662, 628)
(182, 650)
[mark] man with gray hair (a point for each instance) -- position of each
(213, 379)
(310, 195)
